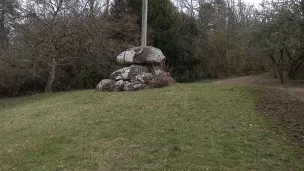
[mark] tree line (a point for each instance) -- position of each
(59, 45)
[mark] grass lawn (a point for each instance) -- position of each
(198, 126)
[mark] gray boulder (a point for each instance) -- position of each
(145, 71)
(157, 71)
(133, 86)
(141, 55)
(121, 74)
(106, 85)
(144, 77)
(119, 85)
(130, 73)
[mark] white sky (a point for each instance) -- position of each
(253, 2)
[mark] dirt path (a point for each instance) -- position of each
(285, 113)
(294, 88)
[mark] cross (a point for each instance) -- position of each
(144, 23)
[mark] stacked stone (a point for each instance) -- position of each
(145, 71)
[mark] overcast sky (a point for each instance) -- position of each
(254, 2)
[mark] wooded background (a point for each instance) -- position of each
(59, 45)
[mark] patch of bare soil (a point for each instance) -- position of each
(258, 80)
(294, 88)
(285, 113)
(282, 104)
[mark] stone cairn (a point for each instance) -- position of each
(146, 71)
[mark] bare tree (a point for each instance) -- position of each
(8, 15)
(51, 18)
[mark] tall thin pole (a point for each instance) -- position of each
(144, 23)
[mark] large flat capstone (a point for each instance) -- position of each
(141, 55)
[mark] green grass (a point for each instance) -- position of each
(198, 126)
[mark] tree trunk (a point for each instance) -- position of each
(294, 67)
(277, 67)
(281, 76)
(49, 85)
(274, 70)
(107, 8)
(3, 36)
(92, 2)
